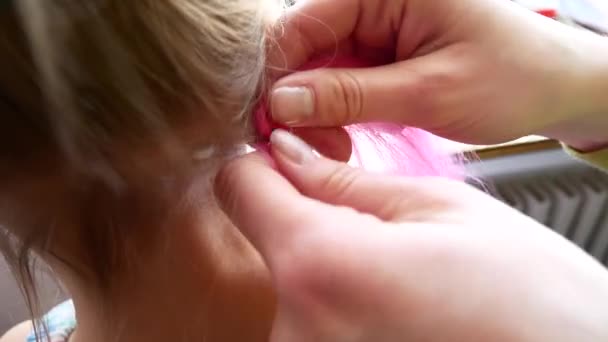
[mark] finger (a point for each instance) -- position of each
(309, 28)
(332, 142)
(267, 209)
(408, 92)
(385, 197)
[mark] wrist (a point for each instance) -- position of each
(584, 96)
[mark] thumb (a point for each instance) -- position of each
(404, 92)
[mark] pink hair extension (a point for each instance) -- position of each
(381, 147)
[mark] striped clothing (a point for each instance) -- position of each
(60, 322)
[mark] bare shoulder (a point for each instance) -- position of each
(18, 333)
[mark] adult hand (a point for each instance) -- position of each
(359, 257)
(477, 71)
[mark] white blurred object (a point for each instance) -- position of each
(591, 13)
(537, 5)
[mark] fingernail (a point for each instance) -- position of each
(292, 147)
(292, 105)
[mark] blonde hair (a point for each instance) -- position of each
(95, 75)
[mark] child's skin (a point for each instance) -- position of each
(202, 281)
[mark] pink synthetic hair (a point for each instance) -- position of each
(382, 147)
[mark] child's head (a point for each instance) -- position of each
(102, 106)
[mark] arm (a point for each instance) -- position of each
(586, 133)
(586, 137)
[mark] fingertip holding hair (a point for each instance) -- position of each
(379, 147)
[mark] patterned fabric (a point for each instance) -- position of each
(60, 322)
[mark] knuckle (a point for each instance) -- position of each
(347, 89)
(391, 209)
(339, 181)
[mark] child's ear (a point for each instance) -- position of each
(333, 143)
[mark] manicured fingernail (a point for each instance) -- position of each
(292, 105)
(292, 147)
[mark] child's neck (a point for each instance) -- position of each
(205, 284)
